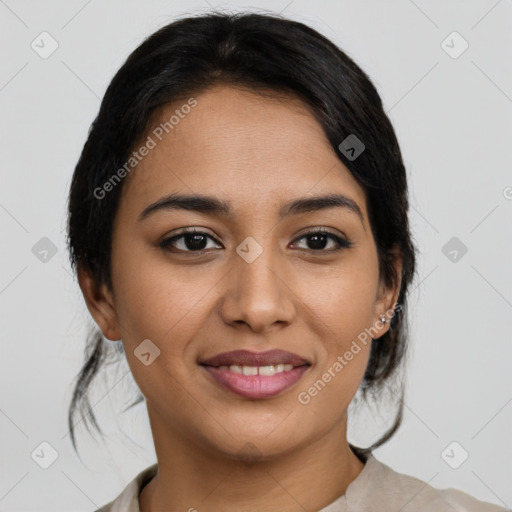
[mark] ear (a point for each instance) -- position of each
(387, 296)
(100, 304)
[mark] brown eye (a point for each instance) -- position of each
(187, 241)
(318, 240)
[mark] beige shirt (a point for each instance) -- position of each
(378, 488)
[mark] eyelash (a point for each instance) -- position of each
(342, 242)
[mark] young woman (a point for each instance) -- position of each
(238, 220)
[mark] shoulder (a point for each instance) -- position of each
(382, 488)
(128, 500)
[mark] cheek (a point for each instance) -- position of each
(165, 307)
(156, 300)
(340, 311)
(343, 298)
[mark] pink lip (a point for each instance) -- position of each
(256, 386)
(247, 358)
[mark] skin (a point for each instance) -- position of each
(258, 153)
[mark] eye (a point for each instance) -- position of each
(194, 240)
(191, 240)
(319, 239)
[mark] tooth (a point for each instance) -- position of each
(268, 370)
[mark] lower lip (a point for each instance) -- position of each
(256, 386)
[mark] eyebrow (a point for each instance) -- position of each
(213, 206)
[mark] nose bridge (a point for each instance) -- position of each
(256, 267)
(256, 294)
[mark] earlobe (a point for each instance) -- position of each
(388, 296)
(100, 304)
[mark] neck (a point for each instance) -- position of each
(198, 477)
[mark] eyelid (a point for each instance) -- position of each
(191, 230)
(321, 229)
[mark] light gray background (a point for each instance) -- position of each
(453, 118)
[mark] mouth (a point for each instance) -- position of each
(256, 375)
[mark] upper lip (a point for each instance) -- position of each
(247, 358)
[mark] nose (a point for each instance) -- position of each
(257, 294)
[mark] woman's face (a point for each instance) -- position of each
(253, 280)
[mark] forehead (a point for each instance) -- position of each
(255, 151)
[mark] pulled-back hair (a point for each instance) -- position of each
(259, 52)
